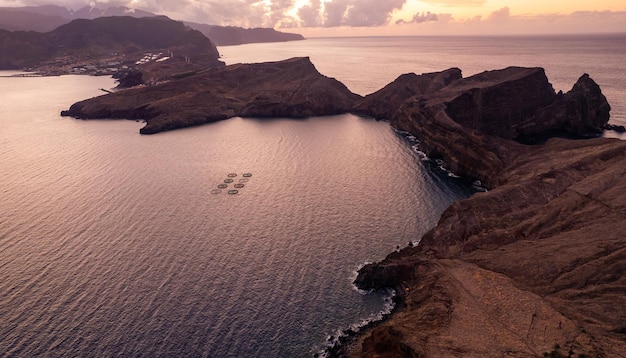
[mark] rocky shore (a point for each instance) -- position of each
(532, 267)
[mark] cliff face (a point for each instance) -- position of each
(467, 122)
(290, 88)
(383, 103)
(537, 261)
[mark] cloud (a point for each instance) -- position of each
(254, 13)
(357, 15)
(278, 10)
(420, 17)
(352, 13)
(500, 15)
(455, 3)
(310, 14)
(502, 22)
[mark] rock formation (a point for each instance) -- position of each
(537, 261)
(290, 88)
(533, 267)
(466, 122)
(383, 103)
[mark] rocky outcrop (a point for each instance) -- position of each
(383, 103)
(581, 112)
(291, 88)
(461, 120)
(466, 122)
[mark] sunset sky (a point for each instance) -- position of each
(385, 17)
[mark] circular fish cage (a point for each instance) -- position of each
(232, 175)
(228, 180)
(243, 180)
(239, 185)
(233, 192)
(247, 175)
(222, 186)
(215, 191)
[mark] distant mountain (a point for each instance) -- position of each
(46, 10)
(89, 12)
(88, 40)
(230, 35)
(20, 19)
(46, 18)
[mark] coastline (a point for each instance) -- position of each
(530, 266)
(489, 276)
(470, 267)
(338, 344)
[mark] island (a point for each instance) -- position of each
(533, 266)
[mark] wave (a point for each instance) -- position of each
(353, 276)
(335, 341)
(437, 164)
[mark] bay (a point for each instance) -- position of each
(112, 243)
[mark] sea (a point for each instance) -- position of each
(115, 244)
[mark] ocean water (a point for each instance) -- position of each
(117, 244)
(113, 244)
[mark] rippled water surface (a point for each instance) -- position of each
(111, 243)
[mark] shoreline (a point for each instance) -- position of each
(343, 342)
(456, 287)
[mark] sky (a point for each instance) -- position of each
(314, 18)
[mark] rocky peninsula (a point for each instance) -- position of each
(532, 267)
(292, 88)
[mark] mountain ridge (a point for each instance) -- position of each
(46, 18)
(157, 46)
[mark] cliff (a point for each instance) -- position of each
(533, 267)
(383, 103)
(536, 262)
(479, 115)
(290, 88)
